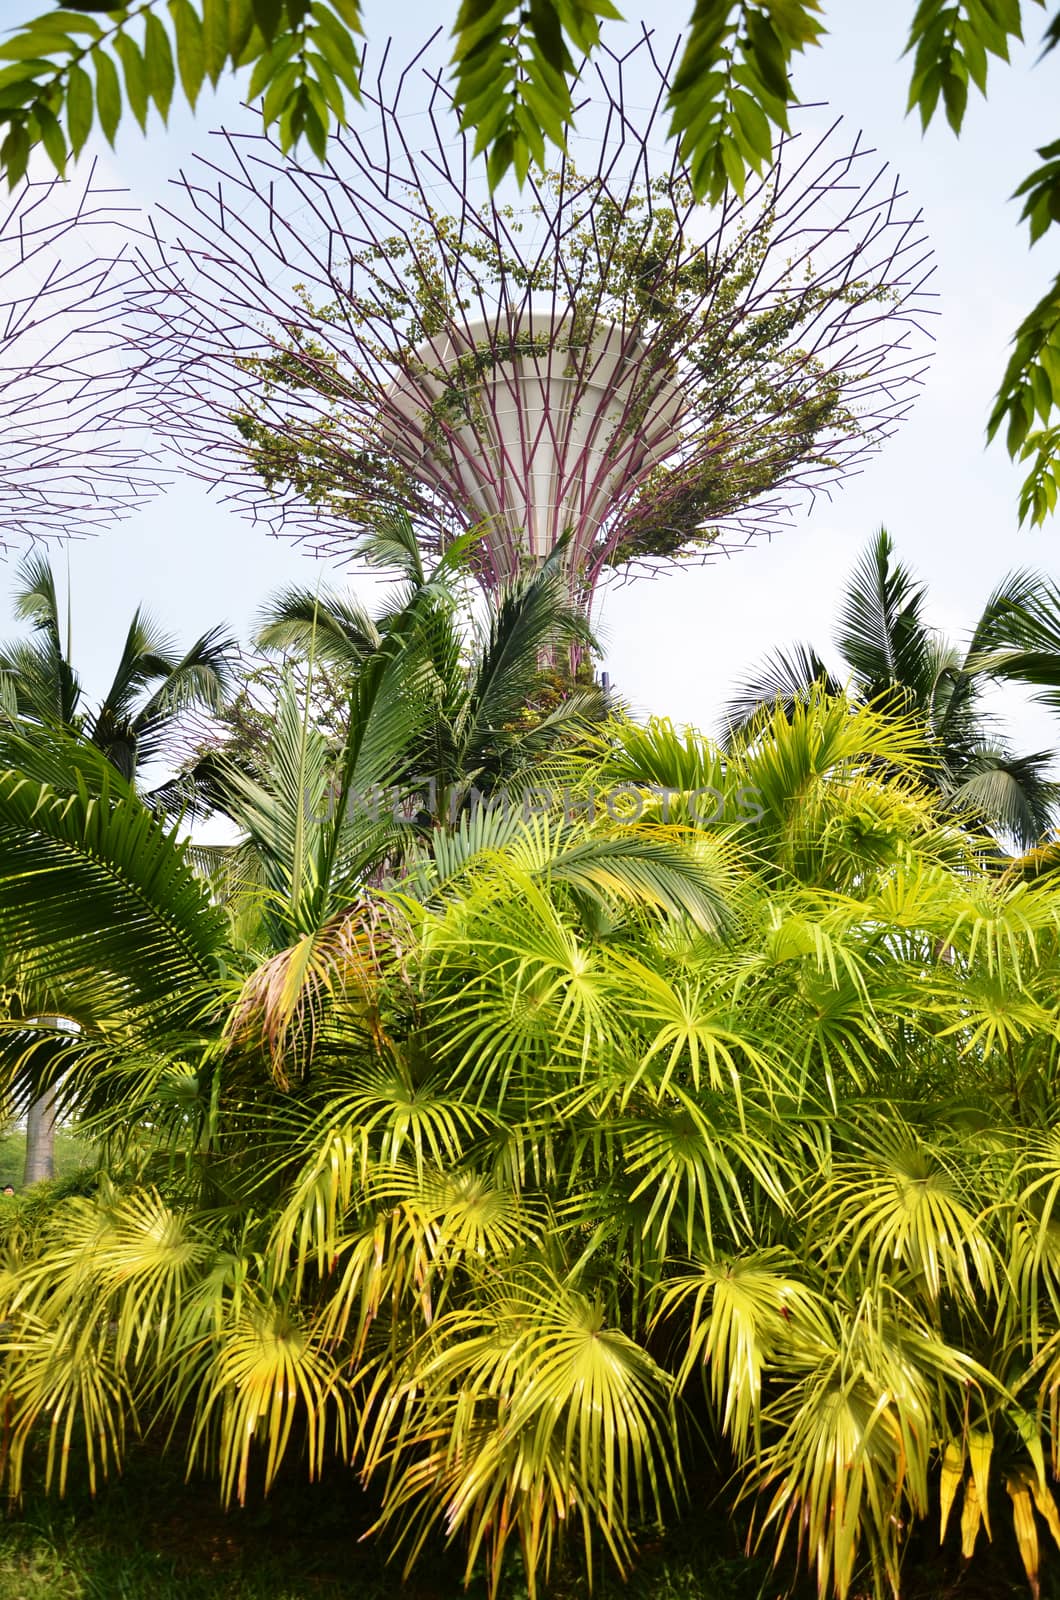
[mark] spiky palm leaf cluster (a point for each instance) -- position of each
(490, 1178)
(897, 662)
(154, 684)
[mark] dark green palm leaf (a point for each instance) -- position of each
(90, 879)
(783, 678)
(882, 632)
(328, 626)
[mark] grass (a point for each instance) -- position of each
(44, 1558)
(71, 1153)
(153, 1537)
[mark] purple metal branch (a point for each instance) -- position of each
(69, 462)
(526, 397)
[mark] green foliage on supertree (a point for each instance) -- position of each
(759, 406)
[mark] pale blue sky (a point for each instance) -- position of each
(675, 645)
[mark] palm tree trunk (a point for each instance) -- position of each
(41, 1118)
(40, 1139)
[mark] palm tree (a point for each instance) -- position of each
(578, 1143)
(154, 685)
(132, 726)
(897, 662)
(470, 712)
(1023, 642)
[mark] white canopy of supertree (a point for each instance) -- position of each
(596, 360)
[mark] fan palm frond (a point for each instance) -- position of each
(907, 671)
(523, 1417)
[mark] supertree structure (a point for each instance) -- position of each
(69, 460)
(595, 359)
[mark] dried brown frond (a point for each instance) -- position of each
(283, 1003)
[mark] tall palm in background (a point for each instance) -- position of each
(154, 684)
(493, 704)
(466, 699)
(897, 662)
(135, 724)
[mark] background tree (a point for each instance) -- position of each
(898, 663)
(478, 698)
(500, 690)
(513, 71)
(132, 726)
(154, 686)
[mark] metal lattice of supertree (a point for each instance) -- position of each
(596, 359)
(69, 461)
